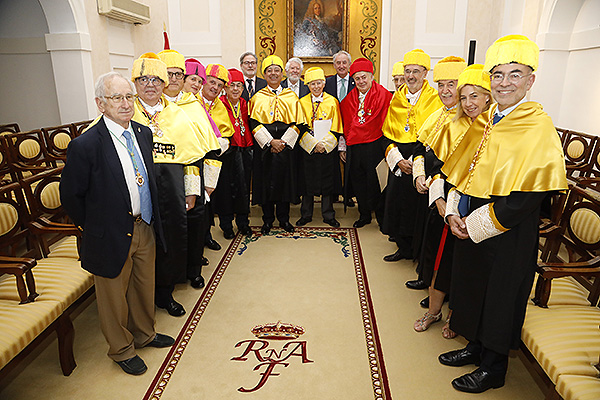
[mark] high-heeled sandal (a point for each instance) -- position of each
(423, 323)
(448, 333)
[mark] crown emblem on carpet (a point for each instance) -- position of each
(278, 331)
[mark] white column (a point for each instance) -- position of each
(72, 64)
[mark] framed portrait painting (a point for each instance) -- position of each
(317, 29)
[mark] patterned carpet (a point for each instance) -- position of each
(357, 316)
(330, 345)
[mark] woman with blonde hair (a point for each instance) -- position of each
(474, 98)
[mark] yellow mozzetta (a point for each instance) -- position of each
(447, 138)
(328, 109)
(269, 108)
(218, 112)
(180, 141)
(396, 119)
(521, 153)
(190, 104)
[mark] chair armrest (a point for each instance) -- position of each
(30, 262)
(39, 227)
(20, 270)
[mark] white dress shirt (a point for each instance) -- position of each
(120, 144)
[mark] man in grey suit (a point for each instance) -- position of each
(108, 189)
(293, 70)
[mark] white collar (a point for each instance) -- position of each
(290, 84)
(174, 99)
(115, 128)
(278, 90)
(362, 96)
(507, 111)
(413, 98)
(315, 99)
(158, 107)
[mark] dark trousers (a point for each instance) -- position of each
(226, 221)
(308, 205)
(491, 361)
(283, 211)
(362, 173)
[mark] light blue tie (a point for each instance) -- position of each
(343, 90)
(144, 190)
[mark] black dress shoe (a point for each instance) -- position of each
(391, 239)
(478, 381)
(458, 358)
(397, 256)
(287, 227)
(173, 308)
(205, 261)
(228, 234)
(197, 282)
(246, 230)
(417, 284)
(266, 228)
(332, 222)
(350, 203)
(359, 223)
(212, 244)
(161, 340)
(303, 221)
(133, 366)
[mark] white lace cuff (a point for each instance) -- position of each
(224, 143)
(452, 203)
(262, 137)
(290, 136)
(308, 142)
(191, 180)
(482, 224)
(436, 189)
(330, 142)
(342, 144)
(212, 168)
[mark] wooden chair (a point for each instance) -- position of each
(48, 220)
(57, 139)
(579, 240)
(9, 128)
(591, 179)
(79, 127)
(17, 256)
(27, 153)
(578, 148)
(562, 133)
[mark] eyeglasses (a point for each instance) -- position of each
(249, 63)
(176, 75)
(146, 80)
(118, 98)
(513, 77)
(412, 72)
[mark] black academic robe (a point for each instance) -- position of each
(492, 280)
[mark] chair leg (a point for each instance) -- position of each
(30, 285)
(66, 338)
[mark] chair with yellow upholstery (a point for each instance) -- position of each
(27, 153)
(49, 222)
(573, 249)
(80, 127)
(9, 128)
(57, 139)
(578, 148)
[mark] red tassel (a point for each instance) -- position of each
(166, 38)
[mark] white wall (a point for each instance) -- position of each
(26, 72)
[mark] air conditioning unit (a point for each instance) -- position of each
(125, 10)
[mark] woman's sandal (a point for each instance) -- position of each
(423, 323)
(448, 333)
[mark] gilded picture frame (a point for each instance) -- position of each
(317, 29)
